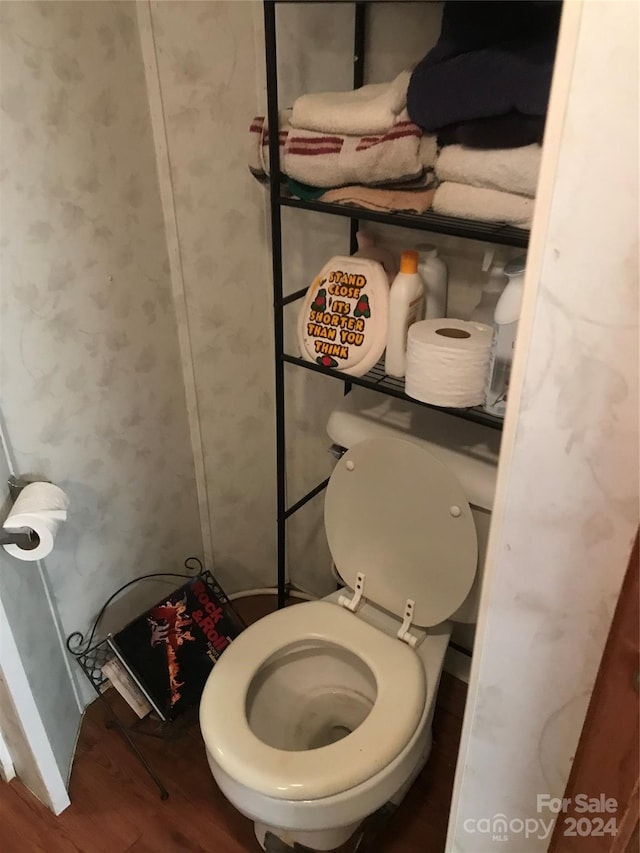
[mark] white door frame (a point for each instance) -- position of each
(29, 750)
(502, 766)
(25, 749)
(7, 770)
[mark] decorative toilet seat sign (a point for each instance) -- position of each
(343, 320)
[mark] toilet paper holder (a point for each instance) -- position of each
(17, 484)
(26, 539)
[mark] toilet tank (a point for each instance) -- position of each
(470, 450)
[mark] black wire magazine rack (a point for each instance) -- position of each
(93, 651)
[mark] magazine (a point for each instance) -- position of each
(120, 679)
(170, 650)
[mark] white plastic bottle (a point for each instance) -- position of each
(485, 311)
(506, 319)
(433, 271)
(368, 248)
(406, 301)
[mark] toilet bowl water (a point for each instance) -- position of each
(308, 696)
(283, 739)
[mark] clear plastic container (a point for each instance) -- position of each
(491, 293)
(433, 271)
(507, 315)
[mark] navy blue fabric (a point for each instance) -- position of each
(492, 58)
(512, 130)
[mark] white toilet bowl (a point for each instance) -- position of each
(306, 697)
(319, 714)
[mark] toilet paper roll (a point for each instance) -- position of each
(41, 507)
(447, 362)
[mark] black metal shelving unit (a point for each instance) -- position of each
(377, 380)
(487, 232)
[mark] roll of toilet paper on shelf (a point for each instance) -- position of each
(42, 507)
(447, 361)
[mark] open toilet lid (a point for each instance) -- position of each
(396, 513)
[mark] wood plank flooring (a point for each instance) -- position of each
(116, 808)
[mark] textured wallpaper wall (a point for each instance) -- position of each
(205, 54)
(89, 318)
(92, 387)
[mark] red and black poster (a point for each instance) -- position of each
(171, 649)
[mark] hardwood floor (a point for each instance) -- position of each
(116, 808)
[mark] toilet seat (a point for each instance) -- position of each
(396, 515)
(328, 770)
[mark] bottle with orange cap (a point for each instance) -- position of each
(406, 305)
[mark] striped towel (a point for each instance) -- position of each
(402, 153)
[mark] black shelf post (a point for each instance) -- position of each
(359, 35)
(276, 258)
(279, 301)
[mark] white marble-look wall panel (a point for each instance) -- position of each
(567, 500)
(92, 387)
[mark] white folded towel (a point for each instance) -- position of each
(486, 205)
(370, 109)
(512, 170)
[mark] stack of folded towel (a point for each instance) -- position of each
(480, 94)
(483, 89)
(360, 146)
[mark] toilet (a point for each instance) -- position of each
(320, 714)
